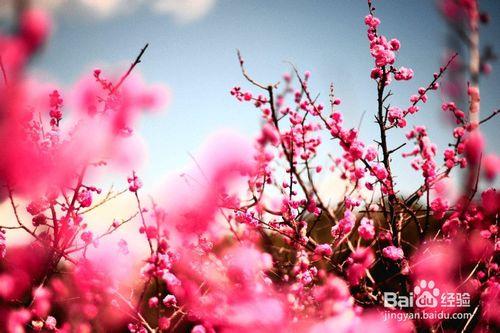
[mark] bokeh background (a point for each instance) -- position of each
(193, 51)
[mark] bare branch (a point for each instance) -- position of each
(249, 79)
(130, 69)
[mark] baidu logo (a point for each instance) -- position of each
(426, 295)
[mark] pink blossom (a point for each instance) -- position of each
(323, 250)
(236, 241)
(153, 302)
(356, 150)
(16, 320)
(134, 183)
(371, 21)
(380, 172)
(123, 247)
(40, 219)
(449, 158)
(491, 165)
(366, 229)
(169, 301)
(396, 117)
(370, 153)
(198, 329)
(35, 207)
(403, 73)
(87, 237)
(270, 135)
(440, 260)
(358, 262)
(490, 298)
(413, 109)
(333, 296)
(473, 93)
(50, 323)
(246, 218)
(376, 73)
(392, 252)
(85, 198)
(35, 27)
(474, 146)
(439, 207)
(164, 323)
(351, 202)
(395, 44)
(490, 200)
(345, 225)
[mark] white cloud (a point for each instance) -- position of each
(182, 11)
(102, 7)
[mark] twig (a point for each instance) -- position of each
(130, 69)
(249, 79)
(4, 73)
(143, 220)
(489, 117)
(396, 149)
(108, 198)
(141, 318)
(470, 319)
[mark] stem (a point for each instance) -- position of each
(143, 220)
(4, 73)
(386, 155)
(130, 69)
(474, 63)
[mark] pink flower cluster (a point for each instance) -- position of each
(424, 153)
(253, 237)
(384, 53)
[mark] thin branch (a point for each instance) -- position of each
(108, 198)
(490, 116)
(396, 149)
(4, 73)
(249, 79)
(130, 69)
(470, 319)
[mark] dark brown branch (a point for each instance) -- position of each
(130, 69)
(396, 149)
(489, 117)
(385, 153)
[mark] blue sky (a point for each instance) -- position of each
(197, 61)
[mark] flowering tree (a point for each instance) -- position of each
(252, 243)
